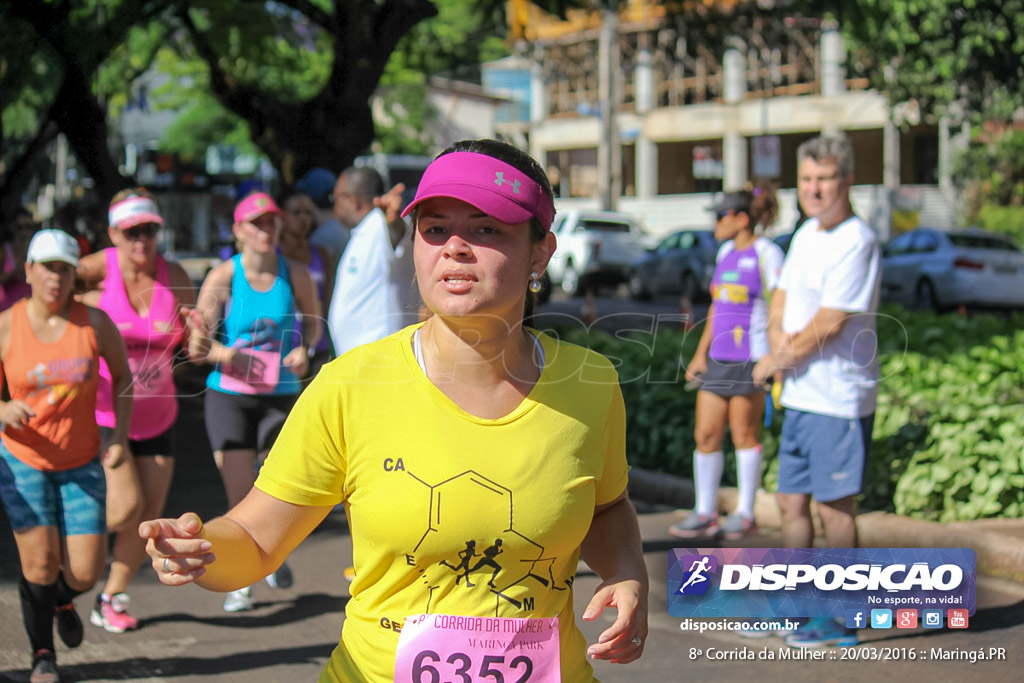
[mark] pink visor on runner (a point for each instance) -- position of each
(496, 188)
(254, 206)
(133, 211)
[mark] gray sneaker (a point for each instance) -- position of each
(282, 578)
(736, 526)
(696, 526)
(239, 600)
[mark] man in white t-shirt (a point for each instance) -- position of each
(822, 333)
(367, 301)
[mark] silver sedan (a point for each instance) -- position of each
(936, 269)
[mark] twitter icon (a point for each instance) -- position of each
(881, 618)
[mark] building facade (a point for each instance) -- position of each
(626, 111)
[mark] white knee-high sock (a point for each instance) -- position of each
(707, 475)
(748, 477)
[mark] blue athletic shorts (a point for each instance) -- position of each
(74, 501)
(823, 455)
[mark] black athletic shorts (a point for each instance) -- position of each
(158, 445)
(245, 421)
(729, 378)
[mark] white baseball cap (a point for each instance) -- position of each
(52, 245)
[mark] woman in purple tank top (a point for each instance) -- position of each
(294, 243)
(734, 338)
(145, 296)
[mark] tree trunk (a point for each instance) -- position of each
(334, 127)
(81, 119)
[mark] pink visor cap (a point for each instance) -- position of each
(133, 211)
(496, 188)
(254, 206)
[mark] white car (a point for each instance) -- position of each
(936, 269)
(594, 248)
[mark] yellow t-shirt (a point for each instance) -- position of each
(451, 513)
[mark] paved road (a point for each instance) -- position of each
(186, 638)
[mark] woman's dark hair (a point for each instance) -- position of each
(759, 203)
(513, 156)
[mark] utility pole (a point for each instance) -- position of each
(609, 152)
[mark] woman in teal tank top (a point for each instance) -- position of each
(252, 305)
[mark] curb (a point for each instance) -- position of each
(997, 543)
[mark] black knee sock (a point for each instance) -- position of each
(37, 605)
(65, 593)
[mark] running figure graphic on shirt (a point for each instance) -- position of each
(468, 554)
(488, 560)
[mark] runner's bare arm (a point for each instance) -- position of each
(210, 304)
(612, 548)
(391, 204)
(5, 335)
(306, 301)
(775, 311)
(181, 285)
(330, 272)
(12, 413)
(232, 551)
(92, 270)
(699, 362)
(112, 350)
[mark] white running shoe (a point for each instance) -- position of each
(239, 600)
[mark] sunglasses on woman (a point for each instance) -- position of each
(138, 232)
(719, 215)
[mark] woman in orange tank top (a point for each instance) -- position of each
(51, 476)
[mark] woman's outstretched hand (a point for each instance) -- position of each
(624, 640)
(178, 550)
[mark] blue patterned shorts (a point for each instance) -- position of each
(74, 501)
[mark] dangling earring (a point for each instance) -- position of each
(535, 285)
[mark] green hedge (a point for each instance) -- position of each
(1008, 220)
(948, 440)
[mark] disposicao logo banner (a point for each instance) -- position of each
(817, 582)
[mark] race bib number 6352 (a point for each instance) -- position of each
(437, 648)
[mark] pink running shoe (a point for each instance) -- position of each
(112, 615)
(736, 526)
(696, 525)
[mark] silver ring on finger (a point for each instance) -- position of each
(637, 641)
(167, 570)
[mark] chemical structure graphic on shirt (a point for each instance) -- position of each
(501, 564)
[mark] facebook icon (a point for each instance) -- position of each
(855, 618)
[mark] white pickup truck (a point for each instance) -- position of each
(594, 248)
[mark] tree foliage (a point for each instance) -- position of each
(52, 54)
(464, 34)
(291, 78)
(968, 55)
(991, 173)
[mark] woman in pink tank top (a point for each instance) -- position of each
(144, 295)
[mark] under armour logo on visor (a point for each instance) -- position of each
(499, 179)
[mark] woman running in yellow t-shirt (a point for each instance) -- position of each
(467, 431)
